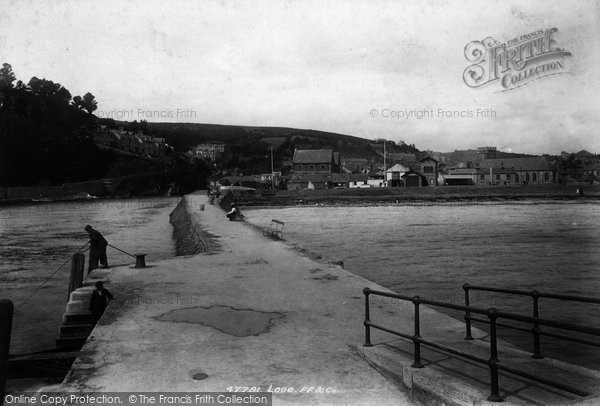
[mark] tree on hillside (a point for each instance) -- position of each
(89, 103)
(77, 102)
(7, 75)
(54, 92)
(44, 137)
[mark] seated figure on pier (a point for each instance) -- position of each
(99, 300)
(234, 214)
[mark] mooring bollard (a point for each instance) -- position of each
(6, 317)
(140, 260)
(76, 278)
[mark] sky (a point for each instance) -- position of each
(351, 67)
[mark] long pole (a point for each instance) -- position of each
(272, 170)
(48, 278)
(384, 166)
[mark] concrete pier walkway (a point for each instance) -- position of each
(254, 313)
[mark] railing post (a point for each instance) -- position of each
(493, 361)
(76, 277)
(466, 288)
(537, 354)
(417, 336)
(6, 318)
(367, 321)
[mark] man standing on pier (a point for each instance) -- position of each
(97, 248)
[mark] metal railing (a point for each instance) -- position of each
(492, 362)
(535, 330)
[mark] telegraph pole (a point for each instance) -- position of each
(272, 170)
(384, 166)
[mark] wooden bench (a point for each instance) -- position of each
(275, 230)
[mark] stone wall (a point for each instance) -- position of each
(189, 238)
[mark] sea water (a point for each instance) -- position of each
(36, 239)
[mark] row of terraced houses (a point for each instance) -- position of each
(135, 143)
(325, 168)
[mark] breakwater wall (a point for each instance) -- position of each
(189, 237)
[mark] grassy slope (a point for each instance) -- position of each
(186, 135)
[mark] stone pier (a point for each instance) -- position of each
(253, 313)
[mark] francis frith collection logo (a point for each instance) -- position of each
(516, 62)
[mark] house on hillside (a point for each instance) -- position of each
(525, 170)
(393, 176)
(107, 137)
(152, 146)
(209, 150)
(136, 143)
(129, 141)
(316, 160)
(429, 169)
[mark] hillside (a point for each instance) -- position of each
(249, 147)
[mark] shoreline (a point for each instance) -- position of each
(425, 203)
(420, 196)
(26, 201)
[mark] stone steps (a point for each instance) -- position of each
(78, 322)
(71, 342)
(455, 380)
(67, 330)
(75, 319)
(77, 307)
(83, 293)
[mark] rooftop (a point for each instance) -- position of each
(519, 164)
(305, 156)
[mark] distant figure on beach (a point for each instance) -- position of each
(99, 300)
(234, 213)
(579, 191)
(97, 249)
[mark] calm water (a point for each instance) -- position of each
(432, 250)
(36, 239)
